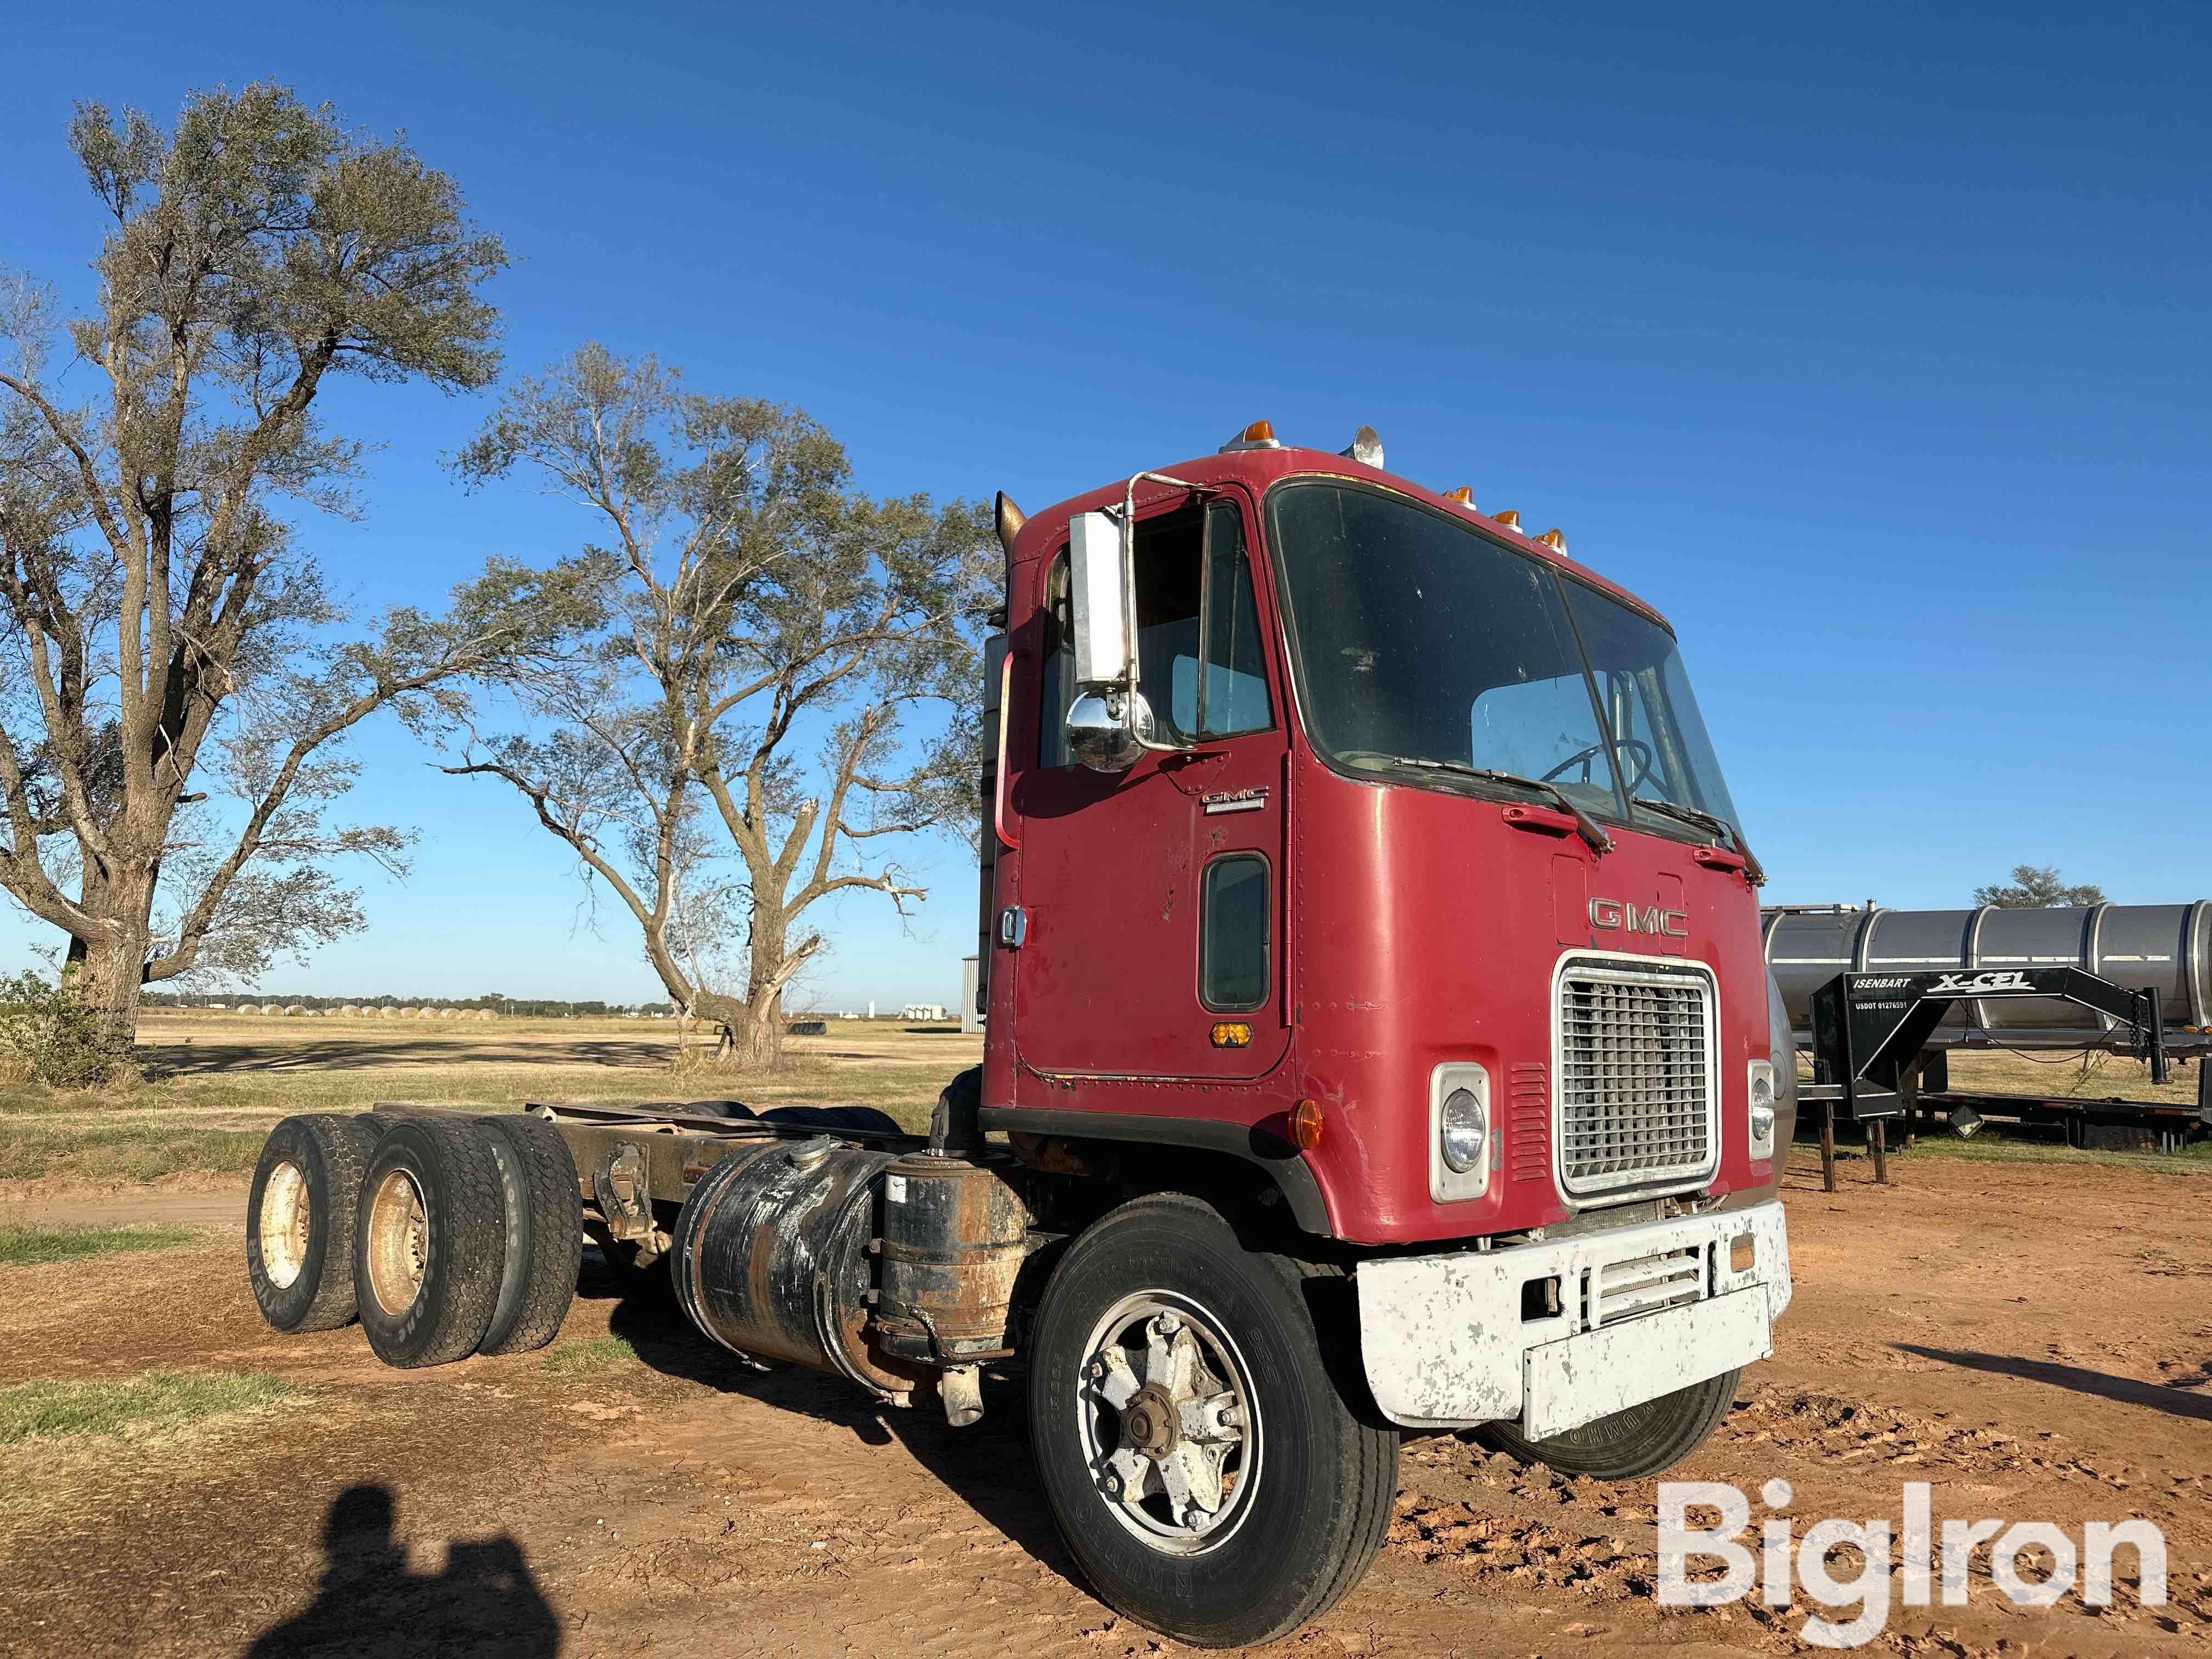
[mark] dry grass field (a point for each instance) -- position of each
(215, 1083)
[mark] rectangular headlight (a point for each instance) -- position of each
(1463, 1141)
(1759, 1090)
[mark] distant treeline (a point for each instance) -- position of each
(512, 1007)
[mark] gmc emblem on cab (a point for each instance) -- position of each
(1612, 913)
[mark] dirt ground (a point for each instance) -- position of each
(2032, 1339)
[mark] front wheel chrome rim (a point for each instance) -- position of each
(398, 1253)
(1168, 1423)
(286, 1211)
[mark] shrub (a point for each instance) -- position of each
(54, 1034)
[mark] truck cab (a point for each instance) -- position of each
(1424, 813)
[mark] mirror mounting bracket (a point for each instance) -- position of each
(1128, 516)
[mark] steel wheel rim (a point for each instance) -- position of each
(286, 1213)
(1167, 1423)
(398, 1229)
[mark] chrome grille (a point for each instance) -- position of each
(1636, 1076)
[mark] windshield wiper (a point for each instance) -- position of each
(1585, 826)
(1703, 820)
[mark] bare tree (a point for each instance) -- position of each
(2038, 887)
(737, 749)
(173, 673)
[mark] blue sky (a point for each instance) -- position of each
(1869, 342)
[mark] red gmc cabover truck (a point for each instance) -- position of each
(1378, 1039)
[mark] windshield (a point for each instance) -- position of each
(1418, 639)
(1644, 692)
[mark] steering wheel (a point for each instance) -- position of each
(1638, 752)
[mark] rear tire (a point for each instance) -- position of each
(1270, 1509)
(300, 1221)
(1639, 1441)
(545, 1221)
(430, 1243)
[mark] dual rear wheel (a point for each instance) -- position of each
(446, 1236)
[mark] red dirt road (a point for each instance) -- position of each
(2032, 1339)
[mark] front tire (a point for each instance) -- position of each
(1639, 1441)
(1193, 1432)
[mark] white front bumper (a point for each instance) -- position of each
(1446, 1344)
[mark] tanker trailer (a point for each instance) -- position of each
(2165, 949)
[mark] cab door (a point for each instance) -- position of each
(1152, 900)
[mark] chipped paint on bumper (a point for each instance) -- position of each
(1445, 1344)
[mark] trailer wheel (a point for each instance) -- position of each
(430, 1248)
(545, 1221)
(1641, 1440)
(1189, 1422)
(300, 1222)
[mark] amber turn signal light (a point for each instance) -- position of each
(1305, 1125)
(1232, 1034)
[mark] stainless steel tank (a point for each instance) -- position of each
(770, 1257)
(2168, 946)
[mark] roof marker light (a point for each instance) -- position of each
(1509, 518)
(1366, 447)
(1261, 435)
(1464, 495)
(1554, 538)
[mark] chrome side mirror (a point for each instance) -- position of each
(1107, 730)
(1098, 589)
(1108, 723)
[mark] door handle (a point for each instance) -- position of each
(1013, 927)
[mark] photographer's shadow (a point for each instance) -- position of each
(484, 1602)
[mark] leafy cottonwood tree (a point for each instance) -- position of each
(171, 677)
(2036, 887)
(755, 608)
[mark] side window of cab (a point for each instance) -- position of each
(1199, 664)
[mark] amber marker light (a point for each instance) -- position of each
(1305, 1125)
(1231, 1034)
(1509, 518)
(1555, 538)
(1260, 432)
(1464, 495)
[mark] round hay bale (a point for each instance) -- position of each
(445, 1013)
(350, 1012)
(293, 1010)
(410, 1013)
(487, 1013)
(272, 1008)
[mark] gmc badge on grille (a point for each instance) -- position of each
(1612, 913)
